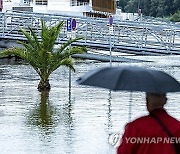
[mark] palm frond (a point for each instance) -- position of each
(77, 50)
(28, 36)
(64, 62)
(36, 41)
(50, 35)
(22, 54)
(65, 45)
(28, 47)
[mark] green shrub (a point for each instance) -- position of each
(176, 17)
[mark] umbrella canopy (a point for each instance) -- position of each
(130, 78)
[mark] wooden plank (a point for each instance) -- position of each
(104, 5)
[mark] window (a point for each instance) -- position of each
(79, 2)
(41, 2)
(26, 2)
(72, 2)
(83, 1)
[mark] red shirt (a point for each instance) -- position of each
(146, 136)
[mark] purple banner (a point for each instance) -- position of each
(1, 4)
(73, 24)
(110, 20)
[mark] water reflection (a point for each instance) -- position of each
(44, 114)
(74, 122)
(68, 122)
(109, 112)
(68, 111)
(130, 106)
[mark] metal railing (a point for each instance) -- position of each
(138, 37)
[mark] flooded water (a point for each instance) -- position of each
(76, 120)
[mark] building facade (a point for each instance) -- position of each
(93, 8)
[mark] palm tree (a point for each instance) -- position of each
(41, 54)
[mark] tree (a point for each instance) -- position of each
(156, 8)
(121, 4)
(145, 7)
(153, 10)
(41, 54)
(176, 4)
(176, 17)
(133, 6)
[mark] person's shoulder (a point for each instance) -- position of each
(139, 121)
(172, 117)
(174, 120)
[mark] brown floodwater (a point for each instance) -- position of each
(76, 120)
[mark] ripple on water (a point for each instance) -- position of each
(69, 120)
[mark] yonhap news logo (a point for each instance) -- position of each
(115, 140)
(154, 140)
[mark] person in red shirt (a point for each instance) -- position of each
(148, 134)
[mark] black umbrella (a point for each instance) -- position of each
(131, 78)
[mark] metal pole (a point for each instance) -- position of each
(110, 33)
(110, 52)
(138, 5)
(69, 29)
(69, 84)
(70, 74)
(86, 31)
(4, 23)
(69, 79)
(130, 107)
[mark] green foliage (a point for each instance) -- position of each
(40, 53)
(121, 4)
(176, 17)
(132, 6)
(156, 8)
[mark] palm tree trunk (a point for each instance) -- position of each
(44, 85)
